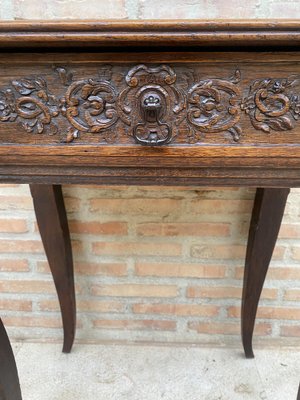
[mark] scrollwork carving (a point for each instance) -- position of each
(213, 105)
(89, 105)
(153, 105)
(272, 105)
(29, 101)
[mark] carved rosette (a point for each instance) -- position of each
(153, 97)
(272, 104)
(213, 105)
(89, 106)
(153, 106)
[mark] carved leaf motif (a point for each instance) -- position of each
(29, 101)
(280, 124)
(271, 105)
(152, 104)
(27, 86)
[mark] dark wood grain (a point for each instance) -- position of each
(166, 34)
(9, 380)
(53, 225)
(228, 103)
(269, 205)
(225, 116)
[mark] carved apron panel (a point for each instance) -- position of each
(151, 105)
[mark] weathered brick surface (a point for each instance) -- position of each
(181, 270)
(159, 269)
(144, 324)
(154, 263)
(227, 329)
(134, 290)
(176, 309)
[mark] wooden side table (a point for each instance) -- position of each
(147, 102)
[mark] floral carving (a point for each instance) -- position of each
(89, 105)
(271, 104)
(30, 101)
(213, 105)
(154, 105)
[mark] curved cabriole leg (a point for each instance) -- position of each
(265, 223)
(9, 380)
(53, 225)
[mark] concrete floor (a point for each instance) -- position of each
(138, 372)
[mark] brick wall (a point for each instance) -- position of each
(151, 264)
(57, 9)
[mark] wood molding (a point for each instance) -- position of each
(131, 33)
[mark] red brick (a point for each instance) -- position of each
(21, 246)
(292, 295)
(13, 225)
(289, 231)
(220, 206)
(147, 324)
(214, 328)
(184, 229)
(15, 305)
(14, 265)
(230, 251)
(290, 331)
(72, 204)
(16, 203)
(276, 273)
(98, 228)
(225, 292)
(22, 286)
(270, 313)
(85, 306)
(136, 249)
(135, 290)
(180, 270)
(176, 309)
(142, 206)
(107, 269)
(89, 268)
(43, 267)
(41, 322)
(296, 253)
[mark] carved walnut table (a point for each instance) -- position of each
(159, 103)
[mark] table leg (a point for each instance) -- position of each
(53, 225)
(9, 380)
(269, 205)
